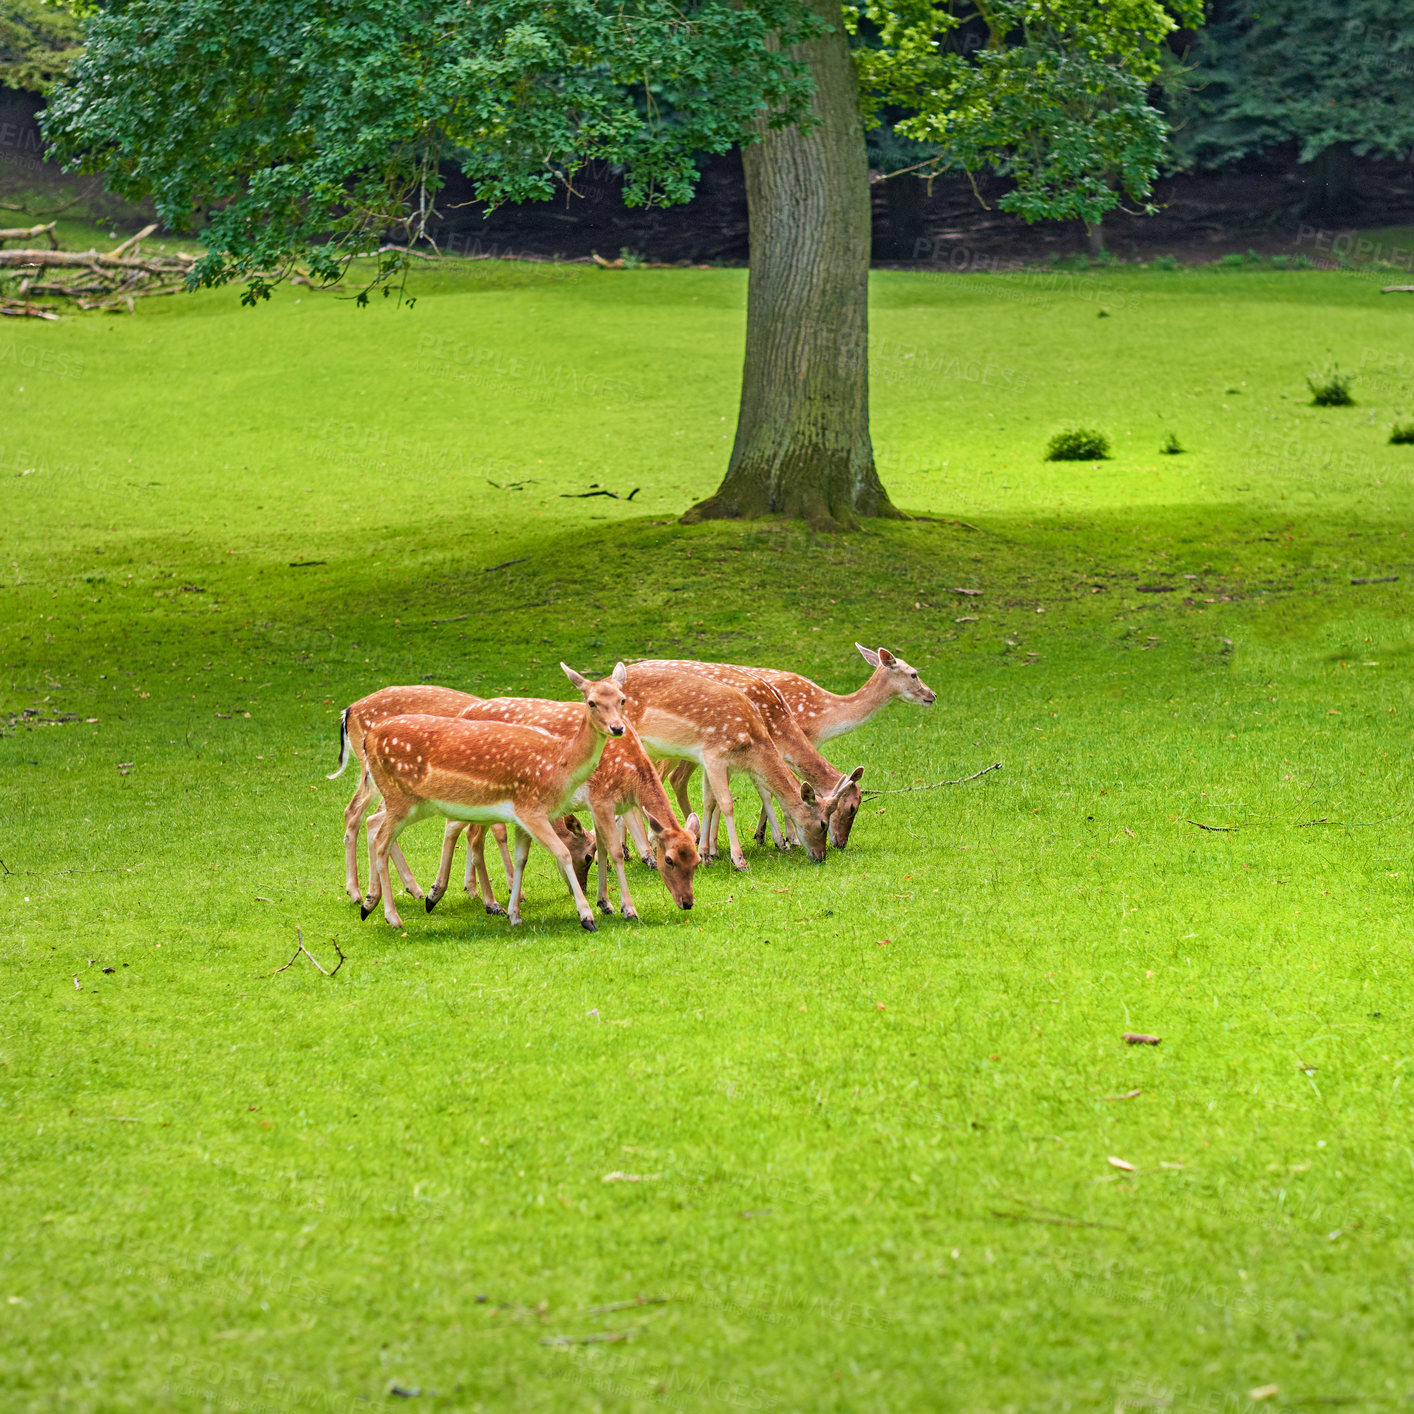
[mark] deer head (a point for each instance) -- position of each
(581, 845)
(675, 856)
(903, 680)
(842, 806)
(605, 699)
(813, 824)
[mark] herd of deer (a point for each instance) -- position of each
(495, 762)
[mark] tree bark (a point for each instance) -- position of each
(1095, 238)
(1331, 191)
(802, 444)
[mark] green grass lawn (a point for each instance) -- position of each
(873, 1106)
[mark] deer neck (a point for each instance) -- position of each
(581, 756)
(842, 714)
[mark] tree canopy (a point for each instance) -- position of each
(38, 42)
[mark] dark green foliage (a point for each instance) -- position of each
(1331, 390)
(1165, 262)
(1171, 447)
(38, 42)
(1332, 76)
(1402, 434)
(1082, 444)
(305, 130)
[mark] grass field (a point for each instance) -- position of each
(873, 1106)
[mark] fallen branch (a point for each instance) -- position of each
(311, 956)
(585, 495)
(1216, 829)
(28, 233)
(1398, 290)
(961, 780)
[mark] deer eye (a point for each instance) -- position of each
(915, 677)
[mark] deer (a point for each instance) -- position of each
(486, 773)
(624, 780)
(354, 723)
(821, 714)
(837, 793)
(690, 717)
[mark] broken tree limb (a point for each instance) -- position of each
(28, 233)
(961, 780)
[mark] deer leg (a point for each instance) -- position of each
(404, 873)
(444, 867)
(634, 826)
(471, 879)
(353, 819)
(498, 832)
(476, 845)
(544, 833)
(707, 829)
(761, 826)
(522, 853)
(606, 828)
(716, 773)
(768, 808)
(678, 778)
(383, 828)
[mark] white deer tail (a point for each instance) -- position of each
(344, 752)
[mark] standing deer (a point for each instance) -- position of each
(821, 714)
(837, 793)
(485, 773)
(623, 780)
(426, 700)
(689, 717)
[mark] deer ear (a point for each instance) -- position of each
(573, 825)
(620, 674)
(868, 654)
(855, 774)
(574, 677)
(886, 658)
(653, 824)
(807, 794)
(692, 824)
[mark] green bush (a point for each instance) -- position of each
(1254, 257)
(1402, 434)
(1281, 262)
(1165, 262)
(1083, 444)
(1330, 390)
(1231, 261)
(1171, 446)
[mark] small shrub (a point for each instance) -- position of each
(1083, 444)
(1330, 390)
(1402, 434)
(1171, 447)
(1304, 262)
(631, 258)
(1281, 262)
(1231, 261)
(1164, 262)
(1253, 257)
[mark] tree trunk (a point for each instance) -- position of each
(802, 444)
(1095, 238)
(1330, 189)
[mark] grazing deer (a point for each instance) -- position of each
(575, 838)
(837, 793)
(485, 773)
(689, 717)
(624, 780)
(354, 724)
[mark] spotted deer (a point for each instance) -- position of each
(422, 698)
(487, 773)
(837, 793)
(688, 717)
(624, 780)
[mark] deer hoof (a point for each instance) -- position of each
(588, 924)
(740, 864)
(629, 911)
(495, 909)
(364, 909)
(430, 902)
(605, 907)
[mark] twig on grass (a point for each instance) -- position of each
(455, 619)
(961, 780)
(1216, 829)
(505, 564)
(311, 956)
(598, 1338)
(585, 495)
(628, 1305)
